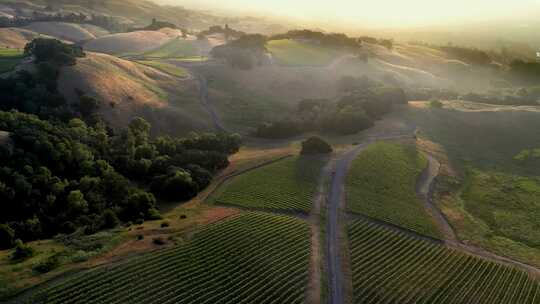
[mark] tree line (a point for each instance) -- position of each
(357, 110)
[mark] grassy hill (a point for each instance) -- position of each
(128, 89)
(290, 52)
(9, 58)
(16, 37)
(492, 199)
(64, 31)
(129, 43)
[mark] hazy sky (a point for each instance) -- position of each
(388, 13)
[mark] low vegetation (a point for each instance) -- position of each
(166, 67)
(295, 53)
(9, 58)
(255, 257)
(363, 104)
(315, 145)
(176, 48)
(287, 185)
(381, 184)
(392, 267)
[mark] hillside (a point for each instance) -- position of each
(16, 37)
(127, 89)
(132, 42)
(64, 31)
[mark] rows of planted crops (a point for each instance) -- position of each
(392, 267)
(250, 258)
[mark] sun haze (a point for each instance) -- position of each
(381, 13)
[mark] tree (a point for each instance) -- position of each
(22, 251)
(315, 145)
(53, 50)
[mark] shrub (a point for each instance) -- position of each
(48, 265)
(436, 104)
(165, 224)
(183, 216)
(22, 251)
(140, 237)
(315, 145)
(159, 241)
(139, 221)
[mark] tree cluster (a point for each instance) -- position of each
(110, 23)
(37, 92)
(354, 112)
(315, 145)
(331, 40)
(243, 53)
(63, 176)
(64, 169)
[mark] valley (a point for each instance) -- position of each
(159, 154)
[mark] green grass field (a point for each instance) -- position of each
(287, 185)
(293, 53)
(499, 212)
(392, 267)
(166, 68)
(381, 184)
(177, 48)
(493, 202)
(9, 58)
(251, 258)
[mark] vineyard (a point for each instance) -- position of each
(250, 258)
(381, 184)
(392, 267)
(287, 185)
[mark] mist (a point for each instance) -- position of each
(376, 14)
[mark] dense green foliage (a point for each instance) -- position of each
(63, 176)
(287, 185)
(315, 145)
(468, 55)
(508, 205)
(381, 184)
(54, 51)
(527, 73)
(60, 173)
(392, 267)
(37, 92)
(243, 53)
(352, 113)
(251, 258)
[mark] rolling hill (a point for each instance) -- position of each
(128, 89)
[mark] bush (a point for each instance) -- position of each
(139, 221)
(159, 241)
(183, 216)
(436, 104)
(48, 265)
(140, 237)
(315, 145)
(22, 251)
(165, 224)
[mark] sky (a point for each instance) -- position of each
(376, 13)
